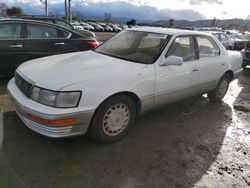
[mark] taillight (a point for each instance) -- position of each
(95, 44)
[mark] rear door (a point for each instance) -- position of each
(211, 63)
(177, 82)
(11, 46)
(43, 40)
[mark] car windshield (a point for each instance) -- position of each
(137, 46)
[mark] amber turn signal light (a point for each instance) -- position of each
(55, 122)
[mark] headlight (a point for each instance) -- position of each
(68, 99)
(56, 99)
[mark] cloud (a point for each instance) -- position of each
(135, 9)
(198, 2)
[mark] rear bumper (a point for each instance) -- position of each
(25, 106)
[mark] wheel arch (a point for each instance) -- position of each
(230, 73)
(130, 94)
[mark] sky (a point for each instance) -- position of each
(220, 9)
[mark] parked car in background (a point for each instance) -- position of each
(77, 26)
(87, 26)
(106, 27)
(239, 43)
(227, 42)
(97, 26)
(101, 92)
(245, 36)
(246, 55)
(115, 28)
(60, 22)
(22, 40)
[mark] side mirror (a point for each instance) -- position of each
(172, 60)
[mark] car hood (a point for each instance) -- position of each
(56, 72)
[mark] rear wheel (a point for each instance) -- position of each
(220, 91)
(113, 119)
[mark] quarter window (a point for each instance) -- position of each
(10, 30)
(207, 47)
(41, 31)
(183, 47)
(64, 24)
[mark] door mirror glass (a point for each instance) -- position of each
(172, 60)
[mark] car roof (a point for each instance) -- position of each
(40, 17)
(36, 21)
(167, 31)
(214, 32)
(33, 21)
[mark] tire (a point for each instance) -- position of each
(113, 119)
(244, 67)
(220, 91)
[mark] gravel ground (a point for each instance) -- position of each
(166, 148)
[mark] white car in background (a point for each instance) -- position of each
(101, 92)
(226, 40)
(77, 26)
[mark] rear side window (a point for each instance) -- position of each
(207, 47)
(41, 31)
(10, 30)
(183, 47)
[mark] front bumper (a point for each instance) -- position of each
(25, 106)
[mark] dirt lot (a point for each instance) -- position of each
(166, 148)
(102, 36)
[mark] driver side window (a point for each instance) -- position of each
(183, 47)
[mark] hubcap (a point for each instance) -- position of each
(116, 119)
(222, 88)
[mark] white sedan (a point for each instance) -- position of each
(101, 92)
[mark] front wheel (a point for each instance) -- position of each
(220, 91)
(113, 119)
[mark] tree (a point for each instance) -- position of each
(107, 16)
(131, 22)
(3, 9)
(171, 23)
(213, 22)
(15, 11)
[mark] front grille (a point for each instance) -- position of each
(23, 85)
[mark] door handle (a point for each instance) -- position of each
(59, 43)
(16, 46)
(194, 70)
(222, 64)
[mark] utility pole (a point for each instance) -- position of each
(66, 10)
(69, 12)
(46, 7)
